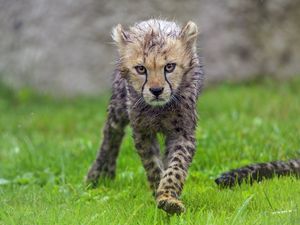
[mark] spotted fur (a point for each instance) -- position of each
(258, 172)
(154, 44)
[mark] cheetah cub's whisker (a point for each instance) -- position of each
(157, 81)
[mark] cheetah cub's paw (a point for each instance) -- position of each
(91, 179)
(170, 204)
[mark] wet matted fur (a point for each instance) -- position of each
(156, 84)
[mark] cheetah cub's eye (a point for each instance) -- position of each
(140, 70)
(170, 67)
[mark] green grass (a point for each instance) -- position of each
(47, 146)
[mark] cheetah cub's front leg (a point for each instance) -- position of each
(179, 154)
(105, 163)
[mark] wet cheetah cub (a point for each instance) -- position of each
(157, 80)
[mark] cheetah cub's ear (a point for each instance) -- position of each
(120, 36)
(189, 34)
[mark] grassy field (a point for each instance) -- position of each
(47, 146)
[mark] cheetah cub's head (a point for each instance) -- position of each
(155, 56)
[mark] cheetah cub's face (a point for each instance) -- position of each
(154, 60)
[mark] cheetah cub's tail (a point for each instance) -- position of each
(258, 172)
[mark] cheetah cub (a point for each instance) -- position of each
(156, 84)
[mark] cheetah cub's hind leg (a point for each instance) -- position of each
(148, 150)
(105, 163)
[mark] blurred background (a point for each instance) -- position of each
(63, 47)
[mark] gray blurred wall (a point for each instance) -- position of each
(64, 46)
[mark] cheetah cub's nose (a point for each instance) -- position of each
(157, 91)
